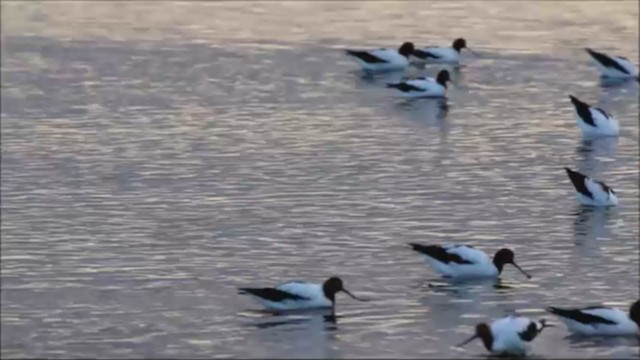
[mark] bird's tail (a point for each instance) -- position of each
(246, 291)
(591, 52)
(556, 311)
(577, 179)
(393, 85)
(544, 324)
(578, 103)
(415, 246)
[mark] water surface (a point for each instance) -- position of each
(156, 156)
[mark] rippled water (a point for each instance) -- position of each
(156, 156)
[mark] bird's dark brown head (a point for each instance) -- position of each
(331, 287)
(506, 256)
(443, 77)
(459, 44)
(503, 256)
(634, 312)
(406, 49)
(483, 331)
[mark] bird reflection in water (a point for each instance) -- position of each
(591, 222)
(296, 317)
(457, 285)
(607, 82)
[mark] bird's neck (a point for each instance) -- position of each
(487, 341)
(498, 266)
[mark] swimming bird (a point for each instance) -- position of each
(464, 261)
(600, 320)
(443, 54)
(594, 121)
(295, 295)
(591, 192)
(613, 66)
(509, 335)
(383, 59)
(423, 86)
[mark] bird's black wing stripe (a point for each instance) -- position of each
(530, 332)
(438, 253)
(272, 294)
(606, 61)
(366, 57)
(579, 316)
(579, 182)
(421, 54)
(604, 113)
(404, 87)
(582, 109)
(604, 186)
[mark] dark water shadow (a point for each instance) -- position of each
(272, 319)
(577, 340)
(365, 79)
(428, 110)
(590, 153)
(458, 286)
(590, 223)
(599, 146)
(529, 355)
(609, 82)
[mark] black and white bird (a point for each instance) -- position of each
(613, 66)
(600, 320)
(296, 295)
(381, 60)
(463, 261)
(434, 54)
(591, 192)
(423, 86)
(509, 335)
(593, 121)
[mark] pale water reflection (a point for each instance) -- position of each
(156, 156)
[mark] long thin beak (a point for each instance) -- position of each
(467, 341)
(473, 52)
(353, 296)
(522, 271)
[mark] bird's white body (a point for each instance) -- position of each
(481, 265)
(623, 324)
(440, 55)
(601, 197)
(393, 61)
(506, 338)
(313, 294)
(428, 87)
(605, 124)
(612, 72)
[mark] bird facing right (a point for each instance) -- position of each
(383, 59)
(423, 86)
(593, 121)
(465, 261)
(450, 54)
(613, 66)
(591, 192)
(296, 295)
